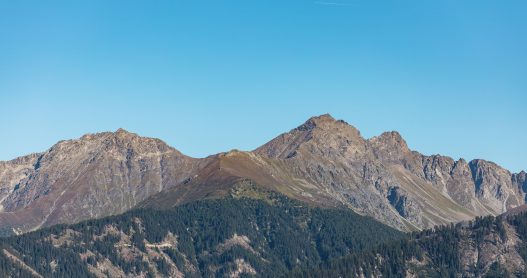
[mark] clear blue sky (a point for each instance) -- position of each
(210, 76)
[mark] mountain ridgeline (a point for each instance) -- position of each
(323, 162)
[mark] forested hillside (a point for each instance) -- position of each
(486, 247)
(213, 238)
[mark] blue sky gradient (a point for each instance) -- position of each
(210, 76)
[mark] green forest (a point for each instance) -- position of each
(281, 237)
(246, 238)
(439, 248)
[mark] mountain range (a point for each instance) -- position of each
(323, 162)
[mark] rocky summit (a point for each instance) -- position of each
(97, 175)
(323, 162)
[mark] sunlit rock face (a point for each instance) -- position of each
(96, 175)
(383, 178)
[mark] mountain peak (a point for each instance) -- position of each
(84, 169)
(123, 133)
(389, 145)
(121, 130)
(317, 121)
(327, 123)
(118, 144)
(390, 139)
(322, 118)
(320, 132)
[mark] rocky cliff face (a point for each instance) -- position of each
(335, 159)
(494, 247)
(12, 172)
(382, 177)
(519, 181)
(325, 162)
(96, 175)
